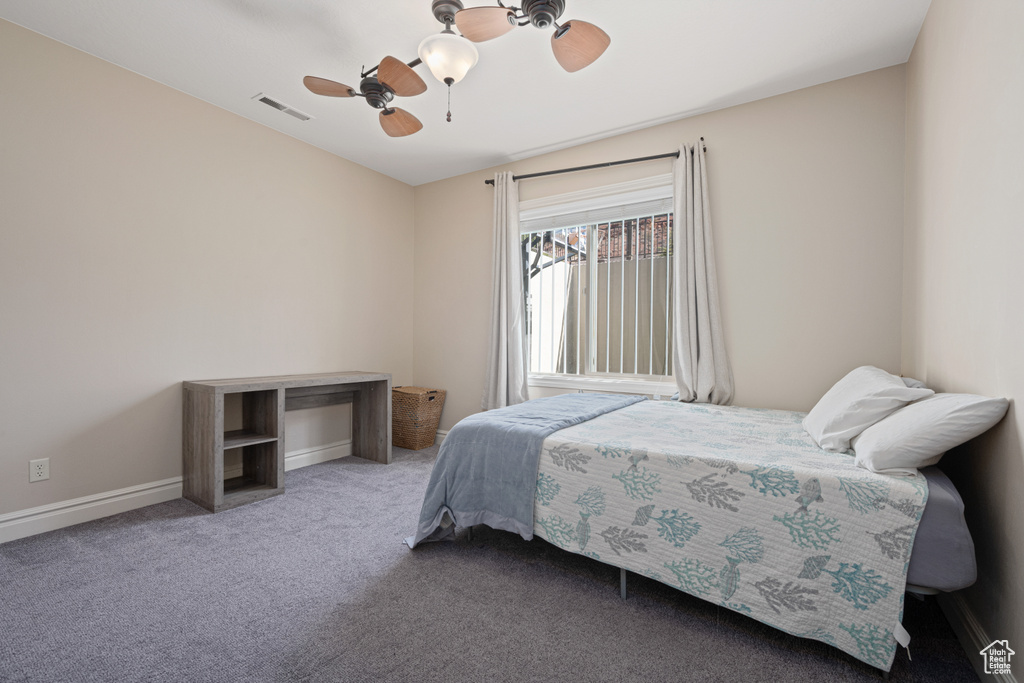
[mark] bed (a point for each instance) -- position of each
(736, 506)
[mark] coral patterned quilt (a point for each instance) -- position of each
(737, 506)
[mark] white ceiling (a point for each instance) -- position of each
(668, 59)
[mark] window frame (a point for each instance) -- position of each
(593, 199)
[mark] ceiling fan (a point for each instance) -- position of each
(576, 44)
(393, 78)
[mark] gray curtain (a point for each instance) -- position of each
(701, 365)
(506, 357)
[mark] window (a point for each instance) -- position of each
(598, 283)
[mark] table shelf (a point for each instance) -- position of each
(261, 438)
(239, 438)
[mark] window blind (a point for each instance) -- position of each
(594, 216)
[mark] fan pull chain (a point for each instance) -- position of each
(449, 103)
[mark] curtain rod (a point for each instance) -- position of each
(592, 166)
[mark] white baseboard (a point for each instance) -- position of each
(441, 433)
(304, 457)
(317, 454)
(971, 635)
(22, 523)
(37, 520)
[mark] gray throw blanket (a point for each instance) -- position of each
(486, 469)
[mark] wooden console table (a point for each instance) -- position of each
(264, 402)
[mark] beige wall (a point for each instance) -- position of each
(963, 281)
(807, 203)
(147, 238)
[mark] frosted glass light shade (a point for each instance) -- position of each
(448, 56)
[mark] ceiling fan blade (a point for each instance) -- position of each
(398, 122)
(484, 23)
(577, 44)
(322, 86)
(400, 78)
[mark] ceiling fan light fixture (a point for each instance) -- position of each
(398, 123)
(448, 56)
(480, 24)
(543, 13)
(578, 44)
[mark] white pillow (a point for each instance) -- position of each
(918, 435)
(856, 402)
(914, 383)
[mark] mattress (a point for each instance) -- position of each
(943, 554)
(740, 507)
(733, 505)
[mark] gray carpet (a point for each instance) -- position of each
(316, 585)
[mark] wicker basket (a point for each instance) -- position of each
(415, 414)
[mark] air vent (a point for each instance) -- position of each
(281, 106)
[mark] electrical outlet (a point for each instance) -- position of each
(657, 397)
(39, 470)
